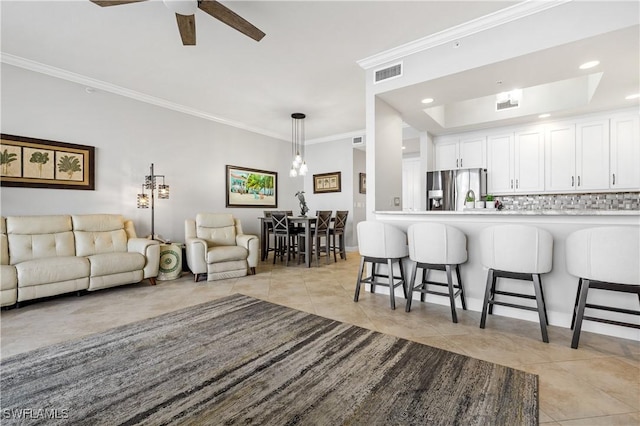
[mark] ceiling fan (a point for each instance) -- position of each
(185, 16)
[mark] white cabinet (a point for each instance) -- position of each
(515, 162)
(625, 153)
(464, 153)
(575, 156)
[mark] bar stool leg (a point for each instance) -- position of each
(357, 295)
(392, 295)
(412, 280)
(580, 314)
(537, 285)
(452, 298)
(487, 295)
(575, 305)
(464, 305)
(403, 277)
(372, 287)
(425, 275)
(493, 292)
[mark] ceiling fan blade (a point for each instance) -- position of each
(104, 3)
(187, 28)
(229, 17)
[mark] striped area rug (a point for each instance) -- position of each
(240, 360)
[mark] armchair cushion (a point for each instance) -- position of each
(226, 253)
(216, 229)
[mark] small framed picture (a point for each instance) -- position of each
(363, 183)
(327, 182)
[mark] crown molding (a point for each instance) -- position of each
(89, 82)
(492, 20)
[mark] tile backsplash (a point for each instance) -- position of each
(607, 201)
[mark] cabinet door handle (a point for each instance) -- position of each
(578, 180)
(614, 179)
(461, 162)
(572, 181)
(511, 183)
(456, 162)
(517, 186)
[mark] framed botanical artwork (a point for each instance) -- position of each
(327, 182)
(363, 183)
(40, 163)
(251, 188)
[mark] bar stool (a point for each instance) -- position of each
(603, 258)
(435, 246)
(268, 233)
(337, 230)
(381, 244)
(518, 252)
(284, 234)
(318, 232)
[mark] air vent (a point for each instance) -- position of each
(508, 104)
(393, 71)
(508, 100)
(357, 141)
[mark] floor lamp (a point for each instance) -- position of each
(150, 183)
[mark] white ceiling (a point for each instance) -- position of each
(306, 63)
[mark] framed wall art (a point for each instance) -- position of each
(327, 182)
(251, 188)
(40, 163)
(363, 183)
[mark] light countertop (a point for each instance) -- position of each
(495, 212)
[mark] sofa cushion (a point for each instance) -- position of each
(89, 243)
(39, 246)
(4, 250)
(36, 237)
(51, 270)
(217, 229)
(226, 253)
(115, 263)
(97, 222)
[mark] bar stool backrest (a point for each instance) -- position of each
(517, 248)
(608, 254)
(378, 239)
(323, 221)
(341, 220)
(437, 243)
(279, 220)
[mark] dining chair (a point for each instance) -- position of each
(319, 232)
(268, 235)
(285, 236)
(337, 230)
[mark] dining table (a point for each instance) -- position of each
(306, 221)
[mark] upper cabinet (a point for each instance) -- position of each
(465, 153)
(625, 153)
(515, 162)
(575, 156)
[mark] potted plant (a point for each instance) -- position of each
(470, 200)
(491, 204)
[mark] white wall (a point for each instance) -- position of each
(129, 136)
(327, 157)
(388, 157)
(359, 200)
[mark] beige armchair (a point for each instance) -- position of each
(216, 246)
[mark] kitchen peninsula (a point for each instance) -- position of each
(559, 286)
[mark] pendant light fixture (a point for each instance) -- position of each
(298, 164)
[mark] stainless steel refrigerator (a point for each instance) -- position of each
(447, 189)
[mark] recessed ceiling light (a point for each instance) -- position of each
(634, 96)
(544, 115)
(404, 147)
(427, 100)
(589, 64)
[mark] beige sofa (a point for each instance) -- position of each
(216, 246)
(44, 256)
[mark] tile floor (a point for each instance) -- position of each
(598, 384)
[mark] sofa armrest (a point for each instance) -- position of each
(196, 249)
(252, 244)
(150, 249)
